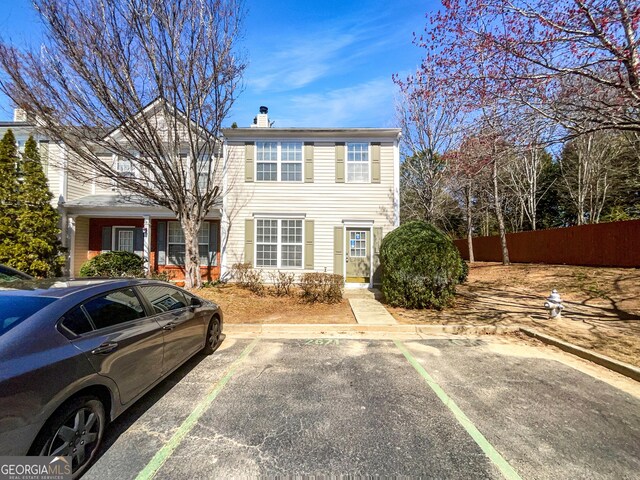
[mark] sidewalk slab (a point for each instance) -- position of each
(369, 311)
(362, 293)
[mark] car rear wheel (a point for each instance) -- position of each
(213, 336)
(75, 431)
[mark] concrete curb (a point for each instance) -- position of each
(274, 328)
(622, 368)
(467, 329)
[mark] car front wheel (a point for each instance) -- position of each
(74, 431)
(213, 336)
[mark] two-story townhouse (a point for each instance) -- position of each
(294, 199)
(96, 216)
(310, 199)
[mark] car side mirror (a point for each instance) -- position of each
(195, 303)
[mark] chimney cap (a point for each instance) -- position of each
(264, 110)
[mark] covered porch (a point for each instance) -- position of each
(98, 224)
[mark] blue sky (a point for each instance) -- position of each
(313, 63)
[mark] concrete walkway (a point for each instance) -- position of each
(366, 309)
(369, 311)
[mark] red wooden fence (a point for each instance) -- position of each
(615, 244)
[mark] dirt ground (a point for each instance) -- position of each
(602, 305)
(241, 306)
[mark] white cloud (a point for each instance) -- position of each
(298, 59)
(295, 67)
(342, 107)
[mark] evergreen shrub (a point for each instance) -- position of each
(421, 267)
(113, 264)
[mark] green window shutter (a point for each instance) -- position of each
(162, 243)
(375, 163)
(248, 240)
(340, 162)
(377, 241)
(249, 157)
(338, 250)
(308, 162)
(308, 244)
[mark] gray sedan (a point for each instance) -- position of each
(75, 354)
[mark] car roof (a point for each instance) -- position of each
(61, 287)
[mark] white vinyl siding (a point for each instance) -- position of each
(358, 163)
(176, 248)
(279, 243)
(324, 201)
(75, 187)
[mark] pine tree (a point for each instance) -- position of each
(8, 197)
(37, 248)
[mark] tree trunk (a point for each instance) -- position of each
(192, 278)
(498, 211)
(467, 198)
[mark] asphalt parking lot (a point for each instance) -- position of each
(489, 407)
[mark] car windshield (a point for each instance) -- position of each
(9, 275)
(15, 309)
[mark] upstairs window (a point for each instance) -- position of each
(358, 163)
(279, 161)
(291, 162)
(267, 161)
(124, 167)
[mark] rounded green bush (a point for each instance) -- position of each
(421, 267)
(113, 264)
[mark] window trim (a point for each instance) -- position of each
(115, 228)
(347, 162)
(131, 173)
(279, 161)
(279, 243)
(167, 256)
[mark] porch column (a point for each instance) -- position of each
(147, 244)
(71, 235)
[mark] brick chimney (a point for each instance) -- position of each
(262, 119)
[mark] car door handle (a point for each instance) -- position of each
(105, 348)
(170, 326)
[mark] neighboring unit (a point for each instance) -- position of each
(294, 199)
